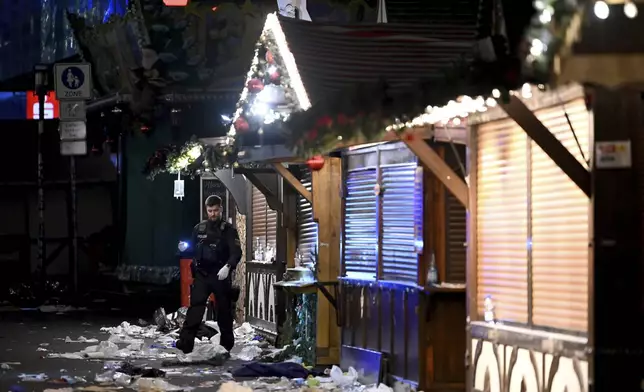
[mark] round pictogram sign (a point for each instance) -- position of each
(73, 78)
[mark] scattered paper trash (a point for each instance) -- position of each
(342, 379)
(81, 339)
(41, 377)
(380, 388)
(249, 353)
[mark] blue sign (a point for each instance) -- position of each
(73, 78)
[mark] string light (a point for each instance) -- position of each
(630, 10)
(457, 111)
(601, 10)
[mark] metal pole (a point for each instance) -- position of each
(73, 232)
(42, 250)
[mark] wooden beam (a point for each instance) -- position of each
(548, 142)
(280, 154)
(294, 182)
(327, 212)
(437, 165)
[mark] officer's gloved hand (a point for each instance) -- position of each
(223, 272)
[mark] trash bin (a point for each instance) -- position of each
(185, 254)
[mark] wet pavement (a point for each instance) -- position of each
(28, 337)
(65, 350)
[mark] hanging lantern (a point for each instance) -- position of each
(315, 163)
(254, 86)
(241, 125)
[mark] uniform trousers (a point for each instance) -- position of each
(203, 285)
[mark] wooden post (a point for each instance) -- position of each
(615, 281)
(327, 212)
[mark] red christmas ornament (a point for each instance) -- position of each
(324, 121)
(254, 86)
(241, 125)
(269, 57)
(315, 163)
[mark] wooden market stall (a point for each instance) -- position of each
(401, 226)
(286, 76)
(529, 265)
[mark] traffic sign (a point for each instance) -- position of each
(73, 130)
(72, 110)
(77, 147)
(73, 81)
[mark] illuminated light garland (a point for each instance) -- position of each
(455, 112)
(601, 9)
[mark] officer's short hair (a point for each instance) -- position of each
(213, 201)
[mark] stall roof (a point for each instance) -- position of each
(330, 57)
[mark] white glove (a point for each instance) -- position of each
(223, 272)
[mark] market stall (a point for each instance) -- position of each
(284, 79)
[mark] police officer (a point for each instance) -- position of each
(217, 253)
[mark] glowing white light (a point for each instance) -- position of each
(630, 10)
(272, 69)
(539, 5)
(545, 16)
(491, 102)
(183, 245)
(195, 152)
(260, 109)
(456, 121)
(537, 47)
(601, 9)
(496, 93)
(526, 91)
(226, 118)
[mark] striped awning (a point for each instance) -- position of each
(332, 57)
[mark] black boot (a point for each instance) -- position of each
(185, 344)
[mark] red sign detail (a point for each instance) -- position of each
(52, 106)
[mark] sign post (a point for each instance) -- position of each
(73, 86)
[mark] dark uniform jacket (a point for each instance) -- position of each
(216, 244)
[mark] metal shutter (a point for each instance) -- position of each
(560, 235)
(401, 211)
(456, 236)
(360, 224)
(455, 224)
(264, 221)
(307, 228)
(502, 219)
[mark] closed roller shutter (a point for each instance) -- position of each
(307, 228)
(502, 227)
(360, 225)
(456, 236)
(560, 227)
(401, 211)
(264, 221)
(455, 223)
